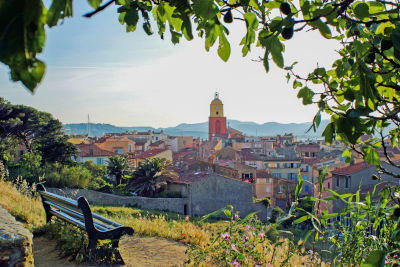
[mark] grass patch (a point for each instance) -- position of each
(22, 206)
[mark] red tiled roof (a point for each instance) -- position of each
(352, 169)
(157, 143)
(96, 151)
(263, 174)
(150, 153)
(246, 155)
(307, 148)
(310, 161)
(192, 176)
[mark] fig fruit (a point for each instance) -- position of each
(285, 8)
(386, 44)
(228, 17)
(370, 58)
(287, 33)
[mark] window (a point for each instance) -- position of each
(277, 175)
(251, 175)
(267, 166)
(305, 177)
(90, 152)
(279, 189)
(268, 189)
(118, 150)
(347, 185)
(130, 147)
(337, 182)
(306, 168)
(268, 180)
(100, 161)
(21, 153)
(278, 165)
(306, 188)
(307, 154)
(329, 185)
(287, 165)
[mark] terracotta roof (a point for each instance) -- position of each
(193, 176)
(157, 143)
(246, 155)
(310, 161)
(150, 153)
(85, 150)
(263, 174)
(352, 169)
(307, 148)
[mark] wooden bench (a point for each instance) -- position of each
(79, 214)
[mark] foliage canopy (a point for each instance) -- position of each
(360, 91)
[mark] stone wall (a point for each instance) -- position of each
(166, 204)
(215, 192)
(15, 242)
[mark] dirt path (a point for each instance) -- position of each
(136, 251)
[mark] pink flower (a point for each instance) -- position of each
(261, 235)
(225, 235)
(235, 263)
(233, 246)
(236, 216)
(311, 252)
(246, 237)
(247, 228)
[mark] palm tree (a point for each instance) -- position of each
(150, 176)
(117, 166)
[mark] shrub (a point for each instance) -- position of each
(276, 213)
(64, 176)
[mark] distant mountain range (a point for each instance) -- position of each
(201, 129)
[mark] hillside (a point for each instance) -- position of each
(201, 129)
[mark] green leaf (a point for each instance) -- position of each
(93, 3)
(147, 28)
(306, 94)
(302, 219)
(248, 217)
(361, 11)
(205, 9)
(266, 61)
(224, 48)
(296, 84)
(131, 17)
(58, 10)
(322, 27)
(299, 187)
(371, 156)
(375, 258)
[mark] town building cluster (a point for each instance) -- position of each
(271, 164)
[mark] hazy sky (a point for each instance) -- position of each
(130, 79)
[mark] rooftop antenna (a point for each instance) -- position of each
(88, 126)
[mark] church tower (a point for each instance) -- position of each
(217, 121)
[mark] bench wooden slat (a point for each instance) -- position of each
(61, 199)
(78, 217)
(69, 219)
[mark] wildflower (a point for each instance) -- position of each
(311, 252)
(225, 235)
(187, 218)
(246, 237)
(261, 235)
(236, 216)
(226, 251)
(183, 234)
(235, 263)
(233, 246)
(247, 228)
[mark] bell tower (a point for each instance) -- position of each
(217, 121)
